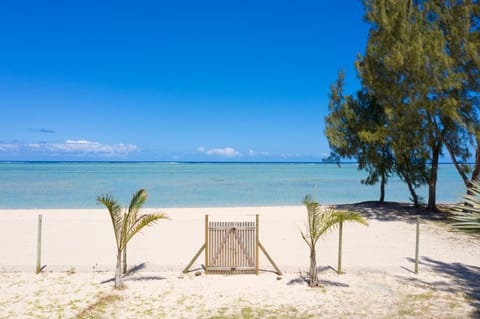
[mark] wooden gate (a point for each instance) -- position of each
(231, 247)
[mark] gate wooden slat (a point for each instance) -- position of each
(231, 246)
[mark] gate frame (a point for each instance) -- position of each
(258, 246)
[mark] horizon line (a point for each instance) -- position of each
(190, 162)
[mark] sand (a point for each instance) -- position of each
(78, 256)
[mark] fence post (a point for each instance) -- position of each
(340, 240)
(39, 245)
(417, 244)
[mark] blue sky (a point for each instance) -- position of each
(172, 80)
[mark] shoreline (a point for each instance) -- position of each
(83, 238)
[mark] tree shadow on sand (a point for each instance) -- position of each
(303, 279)
(393, 211)
(459, 278)
(132, 271)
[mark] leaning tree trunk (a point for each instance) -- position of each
(476, 168)
(457, 165)
(412, 192)
(313, 274)
(432, 183)
(118, 270)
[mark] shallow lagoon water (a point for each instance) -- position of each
(77, 184)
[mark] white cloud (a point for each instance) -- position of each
(290, 155)
(83, 146)
(73, 147)
(9, 147)
(255, 153)
(226, 151)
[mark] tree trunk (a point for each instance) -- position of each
(476, 172)
(124, 259)
(383, 181)
(457, 165)
(118, 270)
(432, 183)
(414, 195)
(313, 276)
(476, 168)
(476, 165)
(412, 192)
(340, 235)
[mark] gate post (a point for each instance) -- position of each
(256, 244)
(206, 244)
(39, 245)
(235, 248)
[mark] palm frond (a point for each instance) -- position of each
(323, 219)
(320, 220)
(137, 201)
(327, 221)
(306, 238)
(466, 218)
(141, 222)
(115, 212)
(130, 216)
(349, 216)
(467, 225)
(314, 218)
(308, 200)
(467, 214)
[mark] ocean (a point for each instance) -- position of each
(28, 185)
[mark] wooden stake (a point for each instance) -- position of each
(417, 244)
(340, 232)
(39, 245)
(269, 258)
(194, 258)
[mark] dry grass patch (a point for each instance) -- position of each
(267, 312)
(98, 308)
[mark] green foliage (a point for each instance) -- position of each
(466, 216)
(421, 65)
(128, 223)
(321, 220)
(356, 128)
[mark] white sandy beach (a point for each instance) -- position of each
(78, 255)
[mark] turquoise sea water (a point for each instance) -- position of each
(77, 184)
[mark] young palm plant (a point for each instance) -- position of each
(320, 221)
(126, 224)
(467, 214)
